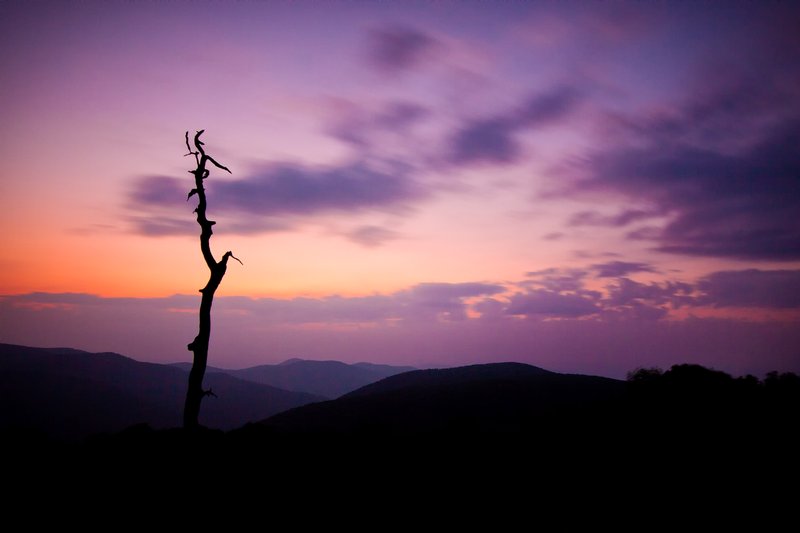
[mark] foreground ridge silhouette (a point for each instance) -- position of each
(199, 346)
(503, 429)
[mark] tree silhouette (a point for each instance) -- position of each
(199, 346)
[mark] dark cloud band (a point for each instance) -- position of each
(268, 199)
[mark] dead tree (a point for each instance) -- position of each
(199, 346)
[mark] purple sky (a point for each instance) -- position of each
(584, 186)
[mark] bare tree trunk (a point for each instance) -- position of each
(199, 346)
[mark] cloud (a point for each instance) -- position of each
(626, 292)
(588, 24)
(742, 205)
(399, 115)
(776, 289)
(158, 190)
(432, 292)
(274, 195)
(371, 236)
(559, 292)
(547, 107)
(422, 302)
(490, 309)
(631, 300)
(447, 300)
(623, 218)
(551, 303)
(584, 346)
(746, 205)
(485, 141)
(160, 226)
(493, 139)
(301, 310)
(427, 301)
(556, 279)
(616, 269)
(66, 298)
(729, 107)
(723, 167)
(360, 127)
(753, 288)
(639, 311)
(293, 189)
(399, 48)
(424, 307)
(586, 254)
(719, 163)
(430, 320)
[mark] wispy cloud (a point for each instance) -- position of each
(626, 292)
(777, 289)
(371, 236)
(557, 279)
(450, 320)
(722, 168)
(623, 218)
(616, 269)
(493, 139)
(394, 49)
(294, 189)
(274, 196)
(362, 128)
(542, 302)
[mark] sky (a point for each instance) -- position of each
(589, 187)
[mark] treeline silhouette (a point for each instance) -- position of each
(693, 394)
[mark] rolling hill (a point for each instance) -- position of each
(330, 379)
(489, 398)
(68, 393)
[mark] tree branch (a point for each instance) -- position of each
(230, 254)
(195, 154)
(198, 143)
(223, 167)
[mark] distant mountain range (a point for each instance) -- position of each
(493, 427)
(69, 393)
(477, 399)
(330, 379)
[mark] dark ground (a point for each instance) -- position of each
(688, 442)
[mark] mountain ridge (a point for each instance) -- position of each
(329, 378)
(473, 399)
(71, 393)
